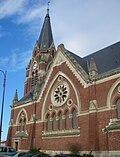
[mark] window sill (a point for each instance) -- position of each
(59, 133)
(22, 134)
(113, 125)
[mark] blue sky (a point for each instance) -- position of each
(83, 26)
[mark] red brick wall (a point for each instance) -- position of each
(91, 123)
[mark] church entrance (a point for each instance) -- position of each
(16, 145)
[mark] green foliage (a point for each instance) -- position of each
(34, 150)
(37, 151)
(74, 149)
(87, 155)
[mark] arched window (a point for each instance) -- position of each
(36, 77)
(48, 123)
(54, 122)
(74, 119)
(67, 120)
(22, 122)
(60, 121)
(118, 108)
(20, 125)
(32, 79)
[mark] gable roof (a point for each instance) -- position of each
(81, 61)
(107, 59)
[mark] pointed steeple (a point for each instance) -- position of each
(46, 38)
(15, 100)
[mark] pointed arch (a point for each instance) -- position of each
(46, 115)
(118, 107)
(48, 122)
(67, 120)
(60, 111)
(54, 121)
(21, 121)
(109, 96)
(73, 108)
(74, 119)
(50, 86)
(22, 110)
(60, 125)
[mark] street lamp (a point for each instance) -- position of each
(4, 83)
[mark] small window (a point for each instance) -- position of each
(67, 120)
(36, 77)
(118, 108)
(74, 119)
(48, 123)
(54, 122)
(60, 121)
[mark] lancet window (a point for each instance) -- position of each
(34, 78)
(118, 108)
(22, 122)
(67, 120)
(48, 122)
(54, 122)
(74, 119)
(60, 121)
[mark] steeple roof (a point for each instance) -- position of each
(16, 96)
(46, 38)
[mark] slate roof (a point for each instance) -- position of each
(46, 38)
(30, 96)
(27, 98)
(80, 61)
(107, 59)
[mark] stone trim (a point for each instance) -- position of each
(50, 86)
(61, 133)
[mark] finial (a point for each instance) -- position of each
(16, 95)
(48, 5)
(15, 99)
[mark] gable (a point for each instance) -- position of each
(61, 92)
(60, 58)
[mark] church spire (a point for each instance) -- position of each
(46, 38)
(15, 99)
(43, 54)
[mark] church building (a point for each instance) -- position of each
(68, 100)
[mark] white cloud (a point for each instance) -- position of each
(83, 26)
(16, 61)
(32, 14)
(11, 7)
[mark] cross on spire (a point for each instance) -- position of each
(48, 5)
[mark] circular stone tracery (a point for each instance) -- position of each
(60, 94)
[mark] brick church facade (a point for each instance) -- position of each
(68, 100)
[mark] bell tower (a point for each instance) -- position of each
(43, 54)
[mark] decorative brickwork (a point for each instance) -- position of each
(66, 102)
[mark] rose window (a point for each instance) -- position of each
(60, 94)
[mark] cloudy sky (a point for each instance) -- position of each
(83, 26)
